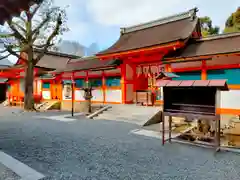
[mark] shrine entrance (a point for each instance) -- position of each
(146, 91)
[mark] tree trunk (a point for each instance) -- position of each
(89, 105)
(29, 77)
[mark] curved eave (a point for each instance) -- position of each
(177, 44)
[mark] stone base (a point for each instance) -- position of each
(78, 106)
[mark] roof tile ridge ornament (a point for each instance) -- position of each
(180, 16)
(219, 36)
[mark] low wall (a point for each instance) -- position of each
(230, 102)
(78, 106)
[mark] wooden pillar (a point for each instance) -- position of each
(217, 133)
(168, 68)
(204, 70)
(87, 79)
(163, 129)
(170, 129)
(123, 82)
(73, 93)
(104, 86)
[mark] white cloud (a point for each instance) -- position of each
(131, 12)
(98, 20)
(78, 29)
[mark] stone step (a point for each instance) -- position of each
(139, 115)
(126, 116)
(133, 121)
(133, 111)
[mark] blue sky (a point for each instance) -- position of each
(100, 20)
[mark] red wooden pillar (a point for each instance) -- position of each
(204, 70)
(104, 86)
(168, 68)
(87, 79)
(123, 82)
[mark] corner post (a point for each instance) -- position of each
(72, 94)
(170, 129)
(163, 129)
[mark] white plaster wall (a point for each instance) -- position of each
(46, 95)
(79, 95)
(113, 95)
(97, 95)
(230, 99)
(69, 93)
(161, 91)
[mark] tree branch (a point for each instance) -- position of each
(37, 29)
(19, 26)
(6, 35)
(15, 31)
(3, 57)
(14, 53)
(50, 38)
(36, 9)
(3, 51)
(42, 46)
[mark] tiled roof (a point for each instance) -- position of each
(221, 84)
(54, 60)
(213, 45)
(90, 63)
(161, 31)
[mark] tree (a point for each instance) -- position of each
(207, 27)
(233, 22)
(37, 28)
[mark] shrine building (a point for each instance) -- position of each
(126, 72)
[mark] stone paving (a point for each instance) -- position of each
(106, 150)
(7, 174)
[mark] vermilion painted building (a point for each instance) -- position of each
(129, 68)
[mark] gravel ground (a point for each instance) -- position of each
(7, 174)
(104, 150)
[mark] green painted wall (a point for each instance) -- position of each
(232, 75)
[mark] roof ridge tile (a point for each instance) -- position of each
(219, 36)
(180, 16)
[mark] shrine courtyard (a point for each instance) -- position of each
(88, 150)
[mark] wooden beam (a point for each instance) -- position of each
(225, 66)
(186, 69)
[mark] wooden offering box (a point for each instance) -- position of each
(198, 99)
